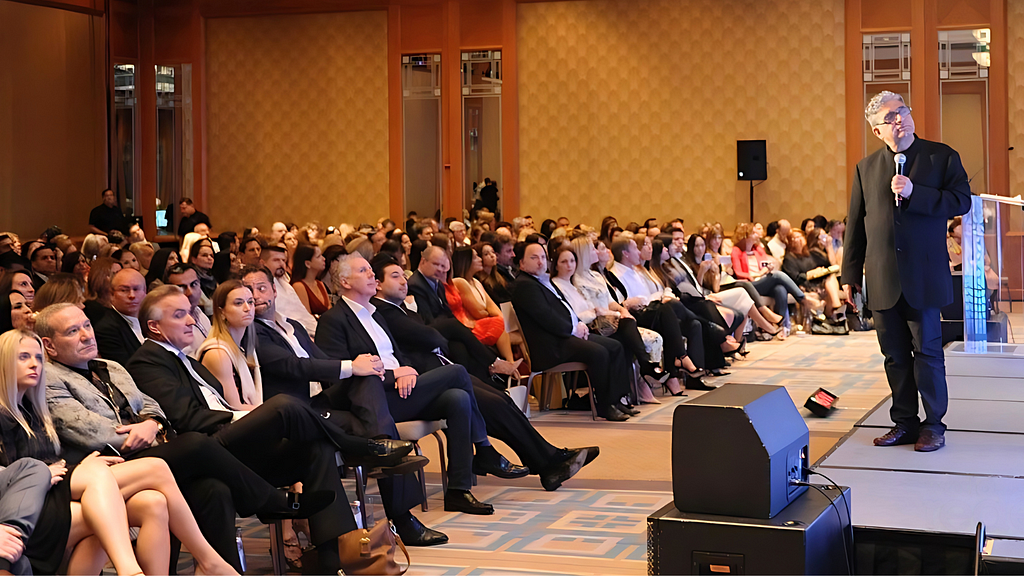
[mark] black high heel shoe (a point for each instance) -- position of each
(653, 370)
(695, 382)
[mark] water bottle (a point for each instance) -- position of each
(356, 512)
(241, 551)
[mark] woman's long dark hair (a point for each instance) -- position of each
(462, 259)
(157, 265)
(221, 266)
(303, 254)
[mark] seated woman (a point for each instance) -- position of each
(706, 268)
(749, 262)
(161, 262)
(307, 264)
(19, 280)
(60, 288)
(810, 270)
(127, 259)
(98, 291)
(606, 322)
(591, 280)
(76, 263)
(230, 349)
(498, 286)
(201, 257)
(473, 307)
(15, 313)
(92, 504)
(731, 303)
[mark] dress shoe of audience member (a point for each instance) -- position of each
(464, 501)
(696, 383)
(382, 454)
(489, 461)
(407, 465)
(571, 462)
(414, 533)
(628, 410)
(613, 414)
(929, 440)
(896, 436)
(298, 506)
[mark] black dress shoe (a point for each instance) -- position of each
(613, 414)
(501, 468)
(929, 441)
(414, 533)
(299, 506)
(628, 410)
(407, 465)
(716, 372)
(553, 477)
(696, 383)
(464, 501)
(896, 436)
(381, 454)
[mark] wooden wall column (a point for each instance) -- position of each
(146, 102)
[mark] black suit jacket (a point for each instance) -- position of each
(114, 337)
(429, 305)
(418, 341)
(545, 320)
(341, 335)
(37, 280)
(164, 378)
(285, 373)
(907, 243)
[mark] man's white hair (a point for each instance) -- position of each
(345, 262)
(878, 101)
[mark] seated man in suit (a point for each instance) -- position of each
(555, 335)
(23, 488)
(118, 333)
(353, 327)
(426, 349)
(95, 403)
(283, 440)
(184, 276)
(292, 364)
(427, 286)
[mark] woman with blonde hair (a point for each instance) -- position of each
(233, 363)
(92, 503)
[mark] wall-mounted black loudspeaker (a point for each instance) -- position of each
(751, 160)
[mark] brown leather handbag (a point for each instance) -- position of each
(372, 551)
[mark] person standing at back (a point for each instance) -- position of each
(898, 215)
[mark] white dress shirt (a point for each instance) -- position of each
(545, 280)
(289, 305)
(200, 330)
(385, 349)
(635, 284)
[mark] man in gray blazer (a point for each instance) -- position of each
(23, 487)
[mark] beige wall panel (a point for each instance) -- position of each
(633, 108)
(1015, 94)
(52, 119)
(297, 119)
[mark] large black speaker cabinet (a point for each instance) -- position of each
(808, 537)
(735, 451)
(751, 160)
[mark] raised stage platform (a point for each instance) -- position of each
(932, 502)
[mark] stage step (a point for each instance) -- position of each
(1002, 416)
(1000, 361)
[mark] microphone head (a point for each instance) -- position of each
(900, 159)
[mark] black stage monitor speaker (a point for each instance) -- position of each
(751, 160)
(735, 451)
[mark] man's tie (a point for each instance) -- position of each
(439, 288)
(203, 383)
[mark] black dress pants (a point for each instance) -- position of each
(631, 340)
(607, 368)
(285, 441)
(507, 423)
(464, 348)
(711, 336)
(445, 393)
(911, 341)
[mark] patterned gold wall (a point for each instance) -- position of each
(1015, 93)
(297, 119)
(633, 108)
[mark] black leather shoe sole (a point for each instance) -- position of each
(408, 465)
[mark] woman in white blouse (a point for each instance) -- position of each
(593, 289)
(236, 368)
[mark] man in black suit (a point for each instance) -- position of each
(556, 335)
(43, 259)
(900, 219)
(118, 332)
(283, 440)
(427, 287)
(354, 327)
(426, 349)
(351, 394)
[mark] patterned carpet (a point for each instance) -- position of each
(596, 523)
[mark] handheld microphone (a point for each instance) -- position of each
(900, 160)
